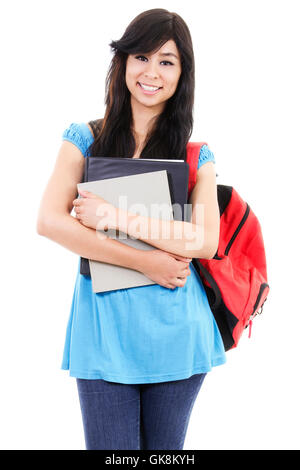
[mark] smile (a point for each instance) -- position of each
(149, 90)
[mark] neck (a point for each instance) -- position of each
(143, 118)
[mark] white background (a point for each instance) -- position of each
(54, 60)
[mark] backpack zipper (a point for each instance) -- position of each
(242, 222)
(263, 286)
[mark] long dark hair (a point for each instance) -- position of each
(172, 129)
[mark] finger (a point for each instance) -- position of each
(168, 285)
(87, 193)
(82, 192)
(181, 258)
(188, 260)
(179, 282)
(184, 266)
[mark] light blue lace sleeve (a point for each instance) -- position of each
(80, 135)
(205, 156)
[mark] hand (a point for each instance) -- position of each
(164, 268)
(95, 212)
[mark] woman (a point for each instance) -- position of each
(139, 355)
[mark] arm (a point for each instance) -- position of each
(205, 195)
(196, 239)
(56, 223)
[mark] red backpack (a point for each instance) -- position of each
(235, 279)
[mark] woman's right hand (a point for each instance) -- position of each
(164, 268)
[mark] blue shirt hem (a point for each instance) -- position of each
(180, 375)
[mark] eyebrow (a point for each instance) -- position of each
(167, 54)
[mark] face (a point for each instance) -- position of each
(152, 78)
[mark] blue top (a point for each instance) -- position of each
(142, 334)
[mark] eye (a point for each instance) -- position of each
(167, 62)
(163, 61)
(138, 56)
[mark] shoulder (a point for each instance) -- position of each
(206, 155)
(79, 134)
(91, 130)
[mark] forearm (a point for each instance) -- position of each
(181, 238)
(67, 231)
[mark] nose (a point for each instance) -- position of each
(151, 70)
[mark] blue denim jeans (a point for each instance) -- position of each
(137, 416)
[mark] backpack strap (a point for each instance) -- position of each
(192, 157)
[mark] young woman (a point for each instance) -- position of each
(140, 354)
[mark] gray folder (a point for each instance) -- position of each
(151, 191)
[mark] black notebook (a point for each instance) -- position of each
(100, 168)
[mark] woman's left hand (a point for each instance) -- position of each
(95, 212)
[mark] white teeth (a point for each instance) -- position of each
(149, 88)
